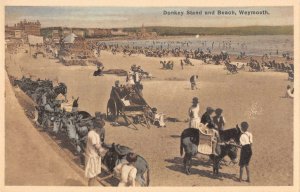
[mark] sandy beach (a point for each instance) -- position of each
(255, 97)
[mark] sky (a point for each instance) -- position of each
(119, 17)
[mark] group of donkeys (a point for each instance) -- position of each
(73, 125)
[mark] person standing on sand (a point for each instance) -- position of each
(181, 63)
(193, 80)
(92, 155)
(194, 114)
(246, 141)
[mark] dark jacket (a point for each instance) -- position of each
(205, 119)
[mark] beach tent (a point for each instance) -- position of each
(70, 38)
(34, 40)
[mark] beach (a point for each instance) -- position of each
(255, 97)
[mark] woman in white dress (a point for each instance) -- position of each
(194, 114)
(92, 156)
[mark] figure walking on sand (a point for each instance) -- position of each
(181, 63)
(193, 80)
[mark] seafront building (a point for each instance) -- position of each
(22, 29)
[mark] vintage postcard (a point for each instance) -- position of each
(160, 95)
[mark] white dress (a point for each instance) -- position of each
(194, 117)
(92, 159)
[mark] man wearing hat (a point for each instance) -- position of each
(92, 154)
(194, 114)
(218, 119)
(246, 151)
(206, 118)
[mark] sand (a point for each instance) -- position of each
(254, 97)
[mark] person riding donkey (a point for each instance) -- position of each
(207, 121)
(218, 119)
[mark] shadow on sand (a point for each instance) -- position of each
(177, 165)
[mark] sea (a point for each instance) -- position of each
(233, 44)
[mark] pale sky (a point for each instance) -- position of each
(110, 17)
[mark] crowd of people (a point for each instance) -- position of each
(51, 112)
